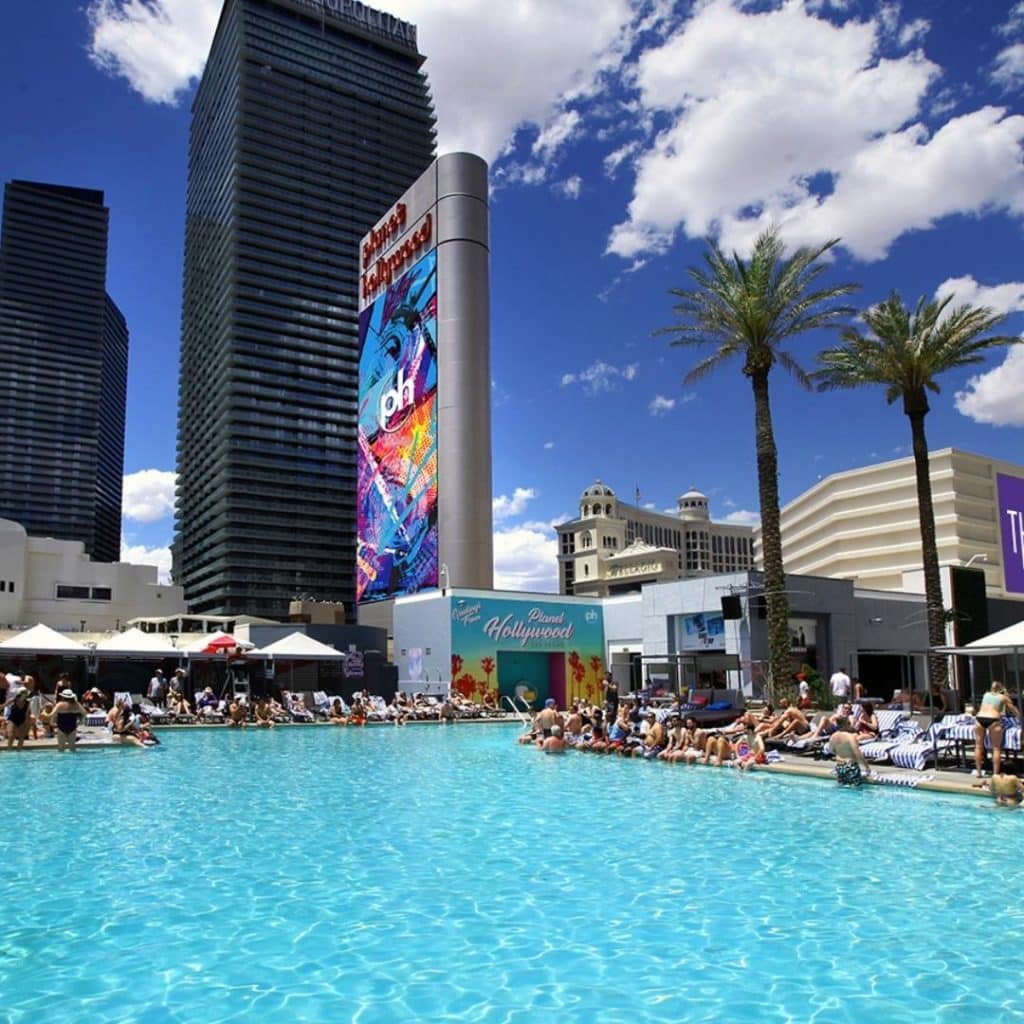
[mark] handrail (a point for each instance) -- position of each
(506, 699)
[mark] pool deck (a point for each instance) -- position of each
(930, 780)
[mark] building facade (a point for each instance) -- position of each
(615, 547)
(56, 583)
(311, 119)
(863, 524)
(64, 371)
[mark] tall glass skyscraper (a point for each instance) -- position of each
(312, 117)
(63, 369)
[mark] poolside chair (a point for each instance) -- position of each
(925, 749)
(153, 713)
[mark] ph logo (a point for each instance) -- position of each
(397, 399)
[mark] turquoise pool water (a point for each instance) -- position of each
(430, 874)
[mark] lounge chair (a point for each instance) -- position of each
(926, 749)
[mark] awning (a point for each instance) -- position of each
(135, 643)
(42, 639)
(298, 647)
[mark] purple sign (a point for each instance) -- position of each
(1010, 492)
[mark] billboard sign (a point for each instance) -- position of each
(1010, 496)
(397, 541)
(704, 631)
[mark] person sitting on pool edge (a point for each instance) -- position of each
(263, 716)
(851, 768)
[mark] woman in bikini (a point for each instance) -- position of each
(994, 705)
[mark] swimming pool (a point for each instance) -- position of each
(427, 874)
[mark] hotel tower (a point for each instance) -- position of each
(311, 119)
(64, 371)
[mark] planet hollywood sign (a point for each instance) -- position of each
(379, 271)
(537, 628)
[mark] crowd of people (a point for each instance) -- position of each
(29, 713)
(627, 727)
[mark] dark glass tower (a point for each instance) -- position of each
(312, 118)
(63, 369)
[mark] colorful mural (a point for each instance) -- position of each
(397, 442)
(532, 649)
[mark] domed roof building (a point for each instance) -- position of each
(615, 546)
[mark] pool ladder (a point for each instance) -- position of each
(517, 711)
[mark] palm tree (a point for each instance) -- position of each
(751, 308)
(904, 352)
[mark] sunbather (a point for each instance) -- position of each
(792, 722)
(994, 704)
(867, 724)
(263, 716)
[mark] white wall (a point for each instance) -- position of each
(37, 565)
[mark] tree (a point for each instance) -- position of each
(750, 308)
(904, 352)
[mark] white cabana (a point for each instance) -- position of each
(42, 639)
(1007, 640)
(134, 643)
(298, 647)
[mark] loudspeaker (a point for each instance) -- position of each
(732, 607)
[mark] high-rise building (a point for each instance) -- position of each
(615, 547)
(63, 369)
(312, 118)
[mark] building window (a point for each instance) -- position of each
(101, 593)
(66, 593)
(11, 587)
(586, 570)
(3, 586)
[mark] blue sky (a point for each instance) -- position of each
(620, 135)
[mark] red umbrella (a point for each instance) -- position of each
(220, 643)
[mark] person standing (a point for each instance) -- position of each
(611, 695)
(840, 685)
(158, 688)
(989, 721)
(67, 713)
(18, 719)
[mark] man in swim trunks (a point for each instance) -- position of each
(67, 713)
(548, 718)
(851, 767)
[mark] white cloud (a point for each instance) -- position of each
(148, 495)
(1001, 298)
(1009, 69)
(614, 159)
(660, 405)
(139, 554)
(504, 507)
(548, 445)
(526, 558)
(744, 517)
(493, 68)
(994, 397)
(834, 126)
(600, 377)
(914, 31)
(571, 187)
(159, 46)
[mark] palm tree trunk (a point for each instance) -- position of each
(937, 668)
(779, 659)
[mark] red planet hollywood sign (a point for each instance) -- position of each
(378, 271)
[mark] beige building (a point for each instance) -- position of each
(56, 583)
(863, 525)
(615, 547)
